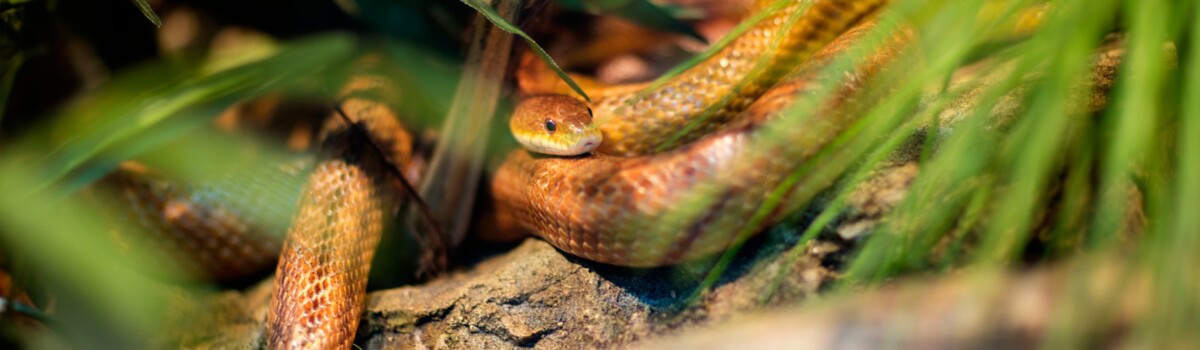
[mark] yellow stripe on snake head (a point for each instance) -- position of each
(555, 124)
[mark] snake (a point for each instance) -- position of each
(606, 195)
(321, 278)
(615, 195)
(635, 118)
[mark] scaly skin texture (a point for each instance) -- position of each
(209, 238)
(730, 80)
(322, 275)
(683, 204)
(321, 280)
(345, 203)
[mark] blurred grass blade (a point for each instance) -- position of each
(642, 12)
(1134, 116)
(490, 13)
(123, 112)
(458, 157)
(1039, 139)
(77, 254)
(148, 12)
(1187, 196)
(930, 205)
(1174, 242)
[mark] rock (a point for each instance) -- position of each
(535, 296)
(224, 320)
(538, 297)
(981, 309)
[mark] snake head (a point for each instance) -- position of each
(555, 124)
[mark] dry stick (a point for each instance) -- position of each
(453, 174)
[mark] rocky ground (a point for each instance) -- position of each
(537, 297)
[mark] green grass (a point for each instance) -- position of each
(1049, 183)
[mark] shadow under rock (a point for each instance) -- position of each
(671, 288)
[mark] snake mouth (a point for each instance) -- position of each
(545, 145)
(585, 144)
(589, 145)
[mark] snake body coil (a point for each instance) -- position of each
(719, 88)
(321, 280)
(691, 202)
(679, 205)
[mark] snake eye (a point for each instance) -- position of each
(590, 112)
(551, 126)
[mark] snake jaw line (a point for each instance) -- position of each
(548, 144)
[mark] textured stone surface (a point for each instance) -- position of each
(535, 296)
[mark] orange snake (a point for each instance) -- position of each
(645, 210)
(660, 209)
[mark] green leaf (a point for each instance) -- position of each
(148, 12)
(491, 14)
(129, 108)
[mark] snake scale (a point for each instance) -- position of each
(624, 204)
(321, 279)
